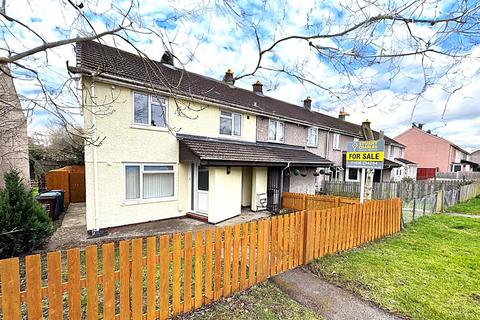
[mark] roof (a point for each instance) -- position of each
(390, 164)
(113, 63)
(473, 164)
(212, 151)
(405, 161)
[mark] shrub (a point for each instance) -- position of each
(24, 223)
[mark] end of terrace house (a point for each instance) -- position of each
(174, 143)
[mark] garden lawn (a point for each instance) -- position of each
(264, 301)
(429, 271)
(471, 206)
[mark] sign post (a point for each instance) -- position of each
(365, 155)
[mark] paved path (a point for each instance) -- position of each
(329, 301)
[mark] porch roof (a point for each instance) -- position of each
(222, 152)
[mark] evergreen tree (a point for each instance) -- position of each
(24, 223)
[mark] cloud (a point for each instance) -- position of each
(209, 41)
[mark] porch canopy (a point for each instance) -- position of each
(222, 152)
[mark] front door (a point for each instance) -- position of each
(273, 189)
(201, 189)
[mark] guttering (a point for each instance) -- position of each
(95, 160)
(281, 184)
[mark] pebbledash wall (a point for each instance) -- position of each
(126, 143)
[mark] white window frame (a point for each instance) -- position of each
(312, 130)
(347, 172)
(277, 125)
(232, 119)
(149, 111)
(142, 199)
(356, 139)
(336, 141)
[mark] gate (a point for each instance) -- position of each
(77, 186)
(273, 189)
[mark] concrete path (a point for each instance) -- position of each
(327, 300)
(477, 216)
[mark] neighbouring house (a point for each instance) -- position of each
(431, 151)
(475, 158)
(13, 130)
(176, 143)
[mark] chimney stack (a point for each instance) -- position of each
(228, 77)
(367, 131)
(167, 58)
(307, 103)
(343, 114)
(258, 88)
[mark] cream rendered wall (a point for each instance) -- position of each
(123, 142)
(246, 186)
(224, 193)
(259, 184)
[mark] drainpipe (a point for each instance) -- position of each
(281, 182)
(95, 163)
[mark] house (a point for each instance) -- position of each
(475, 158)
(431, 151)
(175, 143)
(13, 130)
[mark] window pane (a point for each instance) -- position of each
(352, 174)
(157, 185)
(225, 126)
(132, 175)
(280, 131)
(237, 124)
(160, 101)
(140, 108)
(157, 168)
(158, 116)
(225, 114)
(203, 178)
(272, 130)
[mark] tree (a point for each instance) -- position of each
(24, 224)
(364, 47)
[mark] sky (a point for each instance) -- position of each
(209, 38)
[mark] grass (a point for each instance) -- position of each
(263, 301)
(471, 206)
(429, 271)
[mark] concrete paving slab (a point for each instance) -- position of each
(327, 300)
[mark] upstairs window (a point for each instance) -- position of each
(230, 123)
(276, 131)
(312, 139)
(149, 110)
(336, 141)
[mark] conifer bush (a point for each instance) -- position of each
(24, 223)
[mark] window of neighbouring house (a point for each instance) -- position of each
(336, 141)
(149, 181)
(312, 136)
(352, 174)
(230, 123)
(276, 131)
(457, 167)
(149, 110)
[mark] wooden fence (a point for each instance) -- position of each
(163, 276)
(469, 191)
(302, 201)
(70, 179)
(460, 175)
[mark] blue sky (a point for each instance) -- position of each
(211, 39)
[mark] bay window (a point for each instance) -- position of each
(230, 123)
(312, 139)
(149, 181)
(276, 131)
(149, 110)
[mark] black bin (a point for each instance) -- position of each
(49, 201)
(60, 207)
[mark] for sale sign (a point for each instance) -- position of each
(365, 154)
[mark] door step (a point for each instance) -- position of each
(197, 216)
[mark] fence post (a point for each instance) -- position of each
(304, 202)
(305, 238)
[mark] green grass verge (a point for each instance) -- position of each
(429, 271)
(471, 206)
(264, 301)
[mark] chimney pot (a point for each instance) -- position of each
(307, 103)
(258, 87)
(343, 114)
(228, 77)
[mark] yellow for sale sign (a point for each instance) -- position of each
(365, 156)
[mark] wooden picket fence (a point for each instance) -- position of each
(302, 201)
(160, 277)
